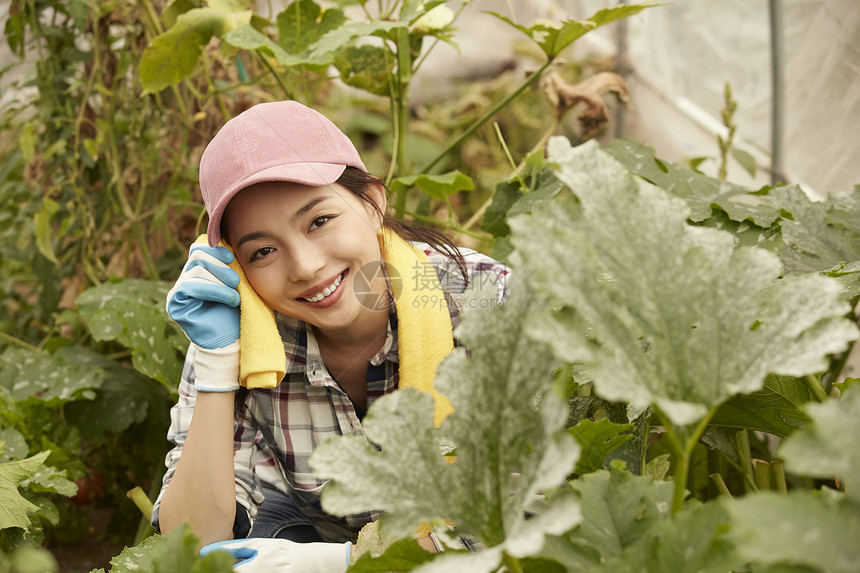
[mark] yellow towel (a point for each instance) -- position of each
(423, 321)
(262, 362)
(423, 324)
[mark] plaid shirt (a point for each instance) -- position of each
(276, 430)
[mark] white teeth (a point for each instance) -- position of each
(326, 291)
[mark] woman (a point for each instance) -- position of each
(286, 190)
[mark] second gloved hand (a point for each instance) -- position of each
(266, 555)
(205, 304)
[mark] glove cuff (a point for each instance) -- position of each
(326, 557)
(216, 370)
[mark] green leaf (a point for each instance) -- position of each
(553, 37)
(42, 220)
(822, 235)
(176, 8)
(508, 451)
(126, 397)
(326, 47)
(618, 509)
(828, 446)
(702, 193)
(676, 315)
(50, 479)
(172, 56)
(437, 186)
(14, 445)
(692, 541)
(412, 10)
(365, 67)
(27, 142)
(745, 160)
(598, 440)
(173, 552)
(775, 409)
(303, 23)
(51, 378)
(800, 529)
(132, 312)
(14, 508)
(247, 37)
(510, 199)
(402, 555)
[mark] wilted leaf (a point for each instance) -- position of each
(14, 508)
(508, 450)
(828, 446)
(676, 316)
(801, 528)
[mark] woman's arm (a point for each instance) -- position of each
(202, 491)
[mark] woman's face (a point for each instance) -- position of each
(302, 249)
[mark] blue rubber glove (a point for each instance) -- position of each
(204, 301)
(267, 555)
(205, 304)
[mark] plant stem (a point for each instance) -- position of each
(779, 477)
(512, 564)
(277, 76)
(683, 454)
(486, 117)
(815, 387)
(143, 503)
(742, 445)
(721, 485)
(761, 471)
(401, 111)
(18, 341)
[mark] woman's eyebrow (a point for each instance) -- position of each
(252, 237)
(307, 207)
(293, 220)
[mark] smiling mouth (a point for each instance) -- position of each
(327, 290)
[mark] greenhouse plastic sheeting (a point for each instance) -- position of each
(683, 54)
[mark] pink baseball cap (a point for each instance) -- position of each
(277, 141)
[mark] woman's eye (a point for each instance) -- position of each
(320, 221)
(260, 253)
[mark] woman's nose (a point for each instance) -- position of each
(306, 262)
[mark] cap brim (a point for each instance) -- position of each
(312, 174)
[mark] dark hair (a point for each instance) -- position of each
(358, 183)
